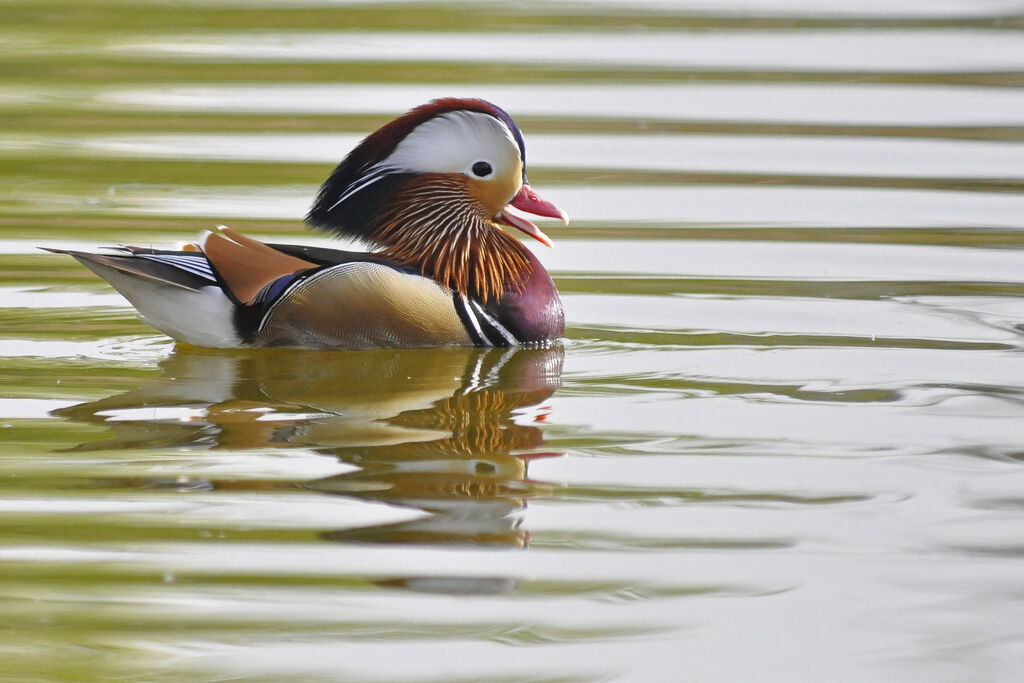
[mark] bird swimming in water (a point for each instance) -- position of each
(427, 193)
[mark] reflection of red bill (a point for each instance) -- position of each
(537, 456)
(529, 201)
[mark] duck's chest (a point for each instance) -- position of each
(534, 314)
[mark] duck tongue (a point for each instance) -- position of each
(529, 201)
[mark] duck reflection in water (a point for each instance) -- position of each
(449, 431)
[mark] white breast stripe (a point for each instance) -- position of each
(471, 315)
(501, 329)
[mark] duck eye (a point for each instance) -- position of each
(482, 169)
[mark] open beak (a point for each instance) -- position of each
(529, 201)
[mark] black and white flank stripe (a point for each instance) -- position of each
(483, 328)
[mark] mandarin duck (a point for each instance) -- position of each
(426, 193)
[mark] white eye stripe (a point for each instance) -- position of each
(453, 142)
(376, 173)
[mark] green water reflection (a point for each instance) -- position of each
(785, 443)
(438, 430)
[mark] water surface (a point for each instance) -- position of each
(782, 440)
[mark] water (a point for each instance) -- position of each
(782, 441)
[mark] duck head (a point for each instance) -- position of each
(430, 189)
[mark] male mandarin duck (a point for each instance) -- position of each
(426, 193)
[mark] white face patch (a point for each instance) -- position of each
(454, 143)
(467, 142)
